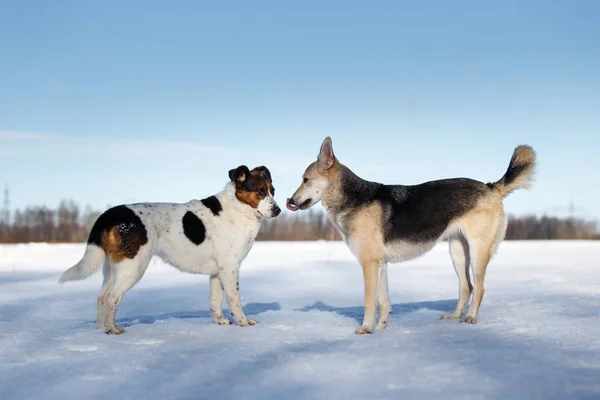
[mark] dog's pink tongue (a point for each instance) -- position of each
(290, 207)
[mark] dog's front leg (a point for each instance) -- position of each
(371, 281)
(216, 301)
(229, 277)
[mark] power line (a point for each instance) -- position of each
(571, 211)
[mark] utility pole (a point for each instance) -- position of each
(571, 210)
(5, 215)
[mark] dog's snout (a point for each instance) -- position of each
(276, 210)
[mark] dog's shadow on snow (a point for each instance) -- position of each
(249, 309)
(356, 312)
(444, 306)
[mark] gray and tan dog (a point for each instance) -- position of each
(393, 223)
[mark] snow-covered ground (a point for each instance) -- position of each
(537, 337)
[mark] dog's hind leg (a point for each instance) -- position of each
(459, 252)
(216, 301)
(383, 298)
(125, 274)
(106, 285)
(483, 240)
(480, 256)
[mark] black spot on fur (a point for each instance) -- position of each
(213, 204)
(193, 228)
(131, 229)
(417, 213)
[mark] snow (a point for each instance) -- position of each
(537, 336)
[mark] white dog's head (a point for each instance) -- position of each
(255, 189)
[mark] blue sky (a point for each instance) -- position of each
(111, 102)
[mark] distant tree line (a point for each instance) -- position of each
(65, 224)
(547, 228)
(302, 225)
(69, 224)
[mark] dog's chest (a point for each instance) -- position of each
(235, 239)
(338, 222)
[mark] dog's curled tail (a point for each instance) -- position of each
(91, 261)
(520, 171)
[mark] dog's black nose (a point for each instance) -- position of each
(276, 210)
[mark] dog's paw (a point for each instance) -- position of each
(384, 317)
(469, 320)
(451, 316)
(361, 330)
(382, 324)
(248, 322)
(222, 321)
(114, 330)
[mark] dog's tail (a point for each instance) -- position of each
(91, 261)
(520, 172)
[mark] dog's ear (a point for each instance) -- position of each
(232, 175)
(265, 172)
(326, 157)
(239, 175)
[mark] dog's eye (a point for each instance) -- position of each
(261, 191)
(305, 180)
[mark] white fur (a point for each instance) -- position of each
(266, 205)
(89, 264)
(229, 238)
